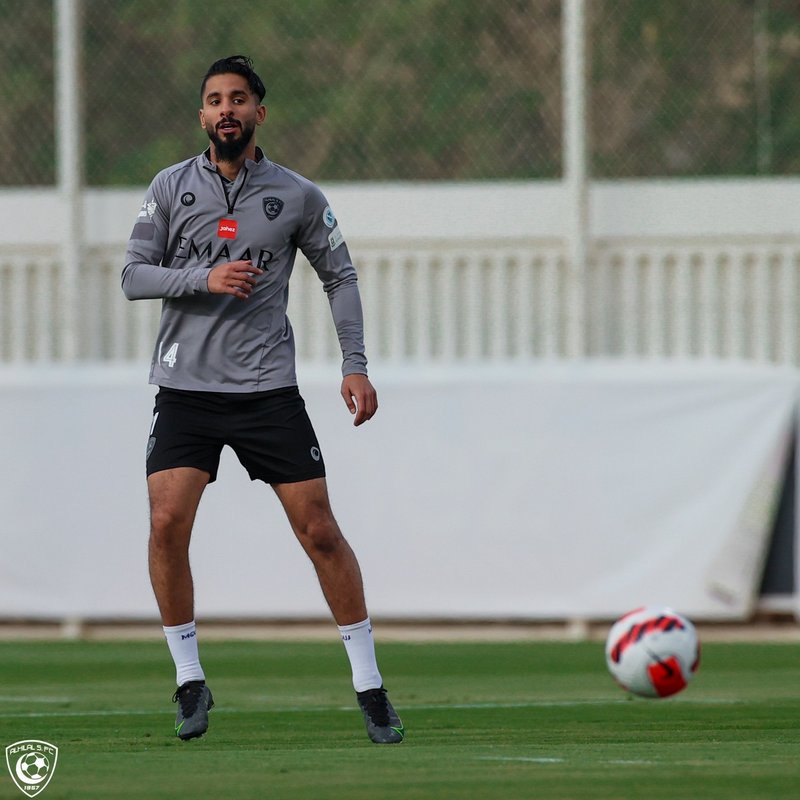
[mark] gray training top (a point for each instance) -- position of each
(193, 219)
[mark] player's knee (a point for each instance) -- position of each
(321, 535)
(167, 522)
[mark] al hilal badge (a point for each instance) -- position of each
(31, 763)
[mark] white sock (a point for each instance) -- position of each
(182, 643)
(361, 652)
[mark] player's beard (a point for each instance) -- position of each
(230, 148)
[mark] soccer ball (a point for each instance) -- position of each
(653, 652)
(35, 766)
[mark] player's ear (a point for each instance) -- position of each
(261, 114)
(202, 119)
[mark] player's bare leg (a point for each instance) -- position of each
(174, 497)
(308, 508)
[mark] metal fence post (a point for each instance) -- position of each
(69, 169)
(575, 173)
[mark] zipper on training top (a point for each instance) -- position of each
(231, 203)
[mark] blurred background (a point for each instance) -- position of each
(419, 90)
(581, 212)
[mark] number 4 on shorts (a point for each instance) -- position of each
(171, 356)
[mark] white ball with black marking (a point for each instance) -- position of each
(653, 651)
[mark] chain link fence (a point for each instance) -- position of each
(689, 88)
(424, 89)
(418, 89)
(27, 85)
(421, 89)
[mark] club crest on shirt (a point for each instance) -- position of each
(272, 207)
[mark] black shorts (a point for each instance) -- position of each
(270, 432)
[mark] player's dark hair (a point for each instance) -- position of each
(238, 65)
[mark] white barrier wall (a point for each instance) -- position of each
(526, 490)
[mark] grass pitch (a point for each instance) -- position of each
(521, 720)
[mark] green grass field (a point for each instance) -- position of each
(520, 720)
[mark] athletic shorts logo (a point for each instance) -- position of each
(31, 763)
(187, 199)
(315, 454)
(151, 443)
(328, 217)
(272, 207)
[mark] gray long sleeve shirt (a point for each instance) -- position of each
(193, 219)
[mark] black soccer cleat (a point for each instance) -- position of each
(383, 724)
(194, 702)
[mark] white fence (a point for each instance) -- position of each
(726, 299)
(493, 301)
(464, 273)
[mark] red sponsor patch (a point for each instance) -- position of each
(227, 228)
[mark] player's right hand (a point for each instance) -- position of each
(235, 277)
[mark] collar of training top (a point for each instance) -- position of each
(261, 160)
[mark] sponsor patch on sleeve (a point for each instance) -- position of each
(147, 210)
(335, 238)
(144, 230)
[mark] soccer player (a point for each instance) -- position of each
(215, 240)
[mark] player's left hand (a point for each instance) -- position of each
(360, 397)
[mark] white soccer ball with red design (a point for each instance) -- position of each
(653, 652)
